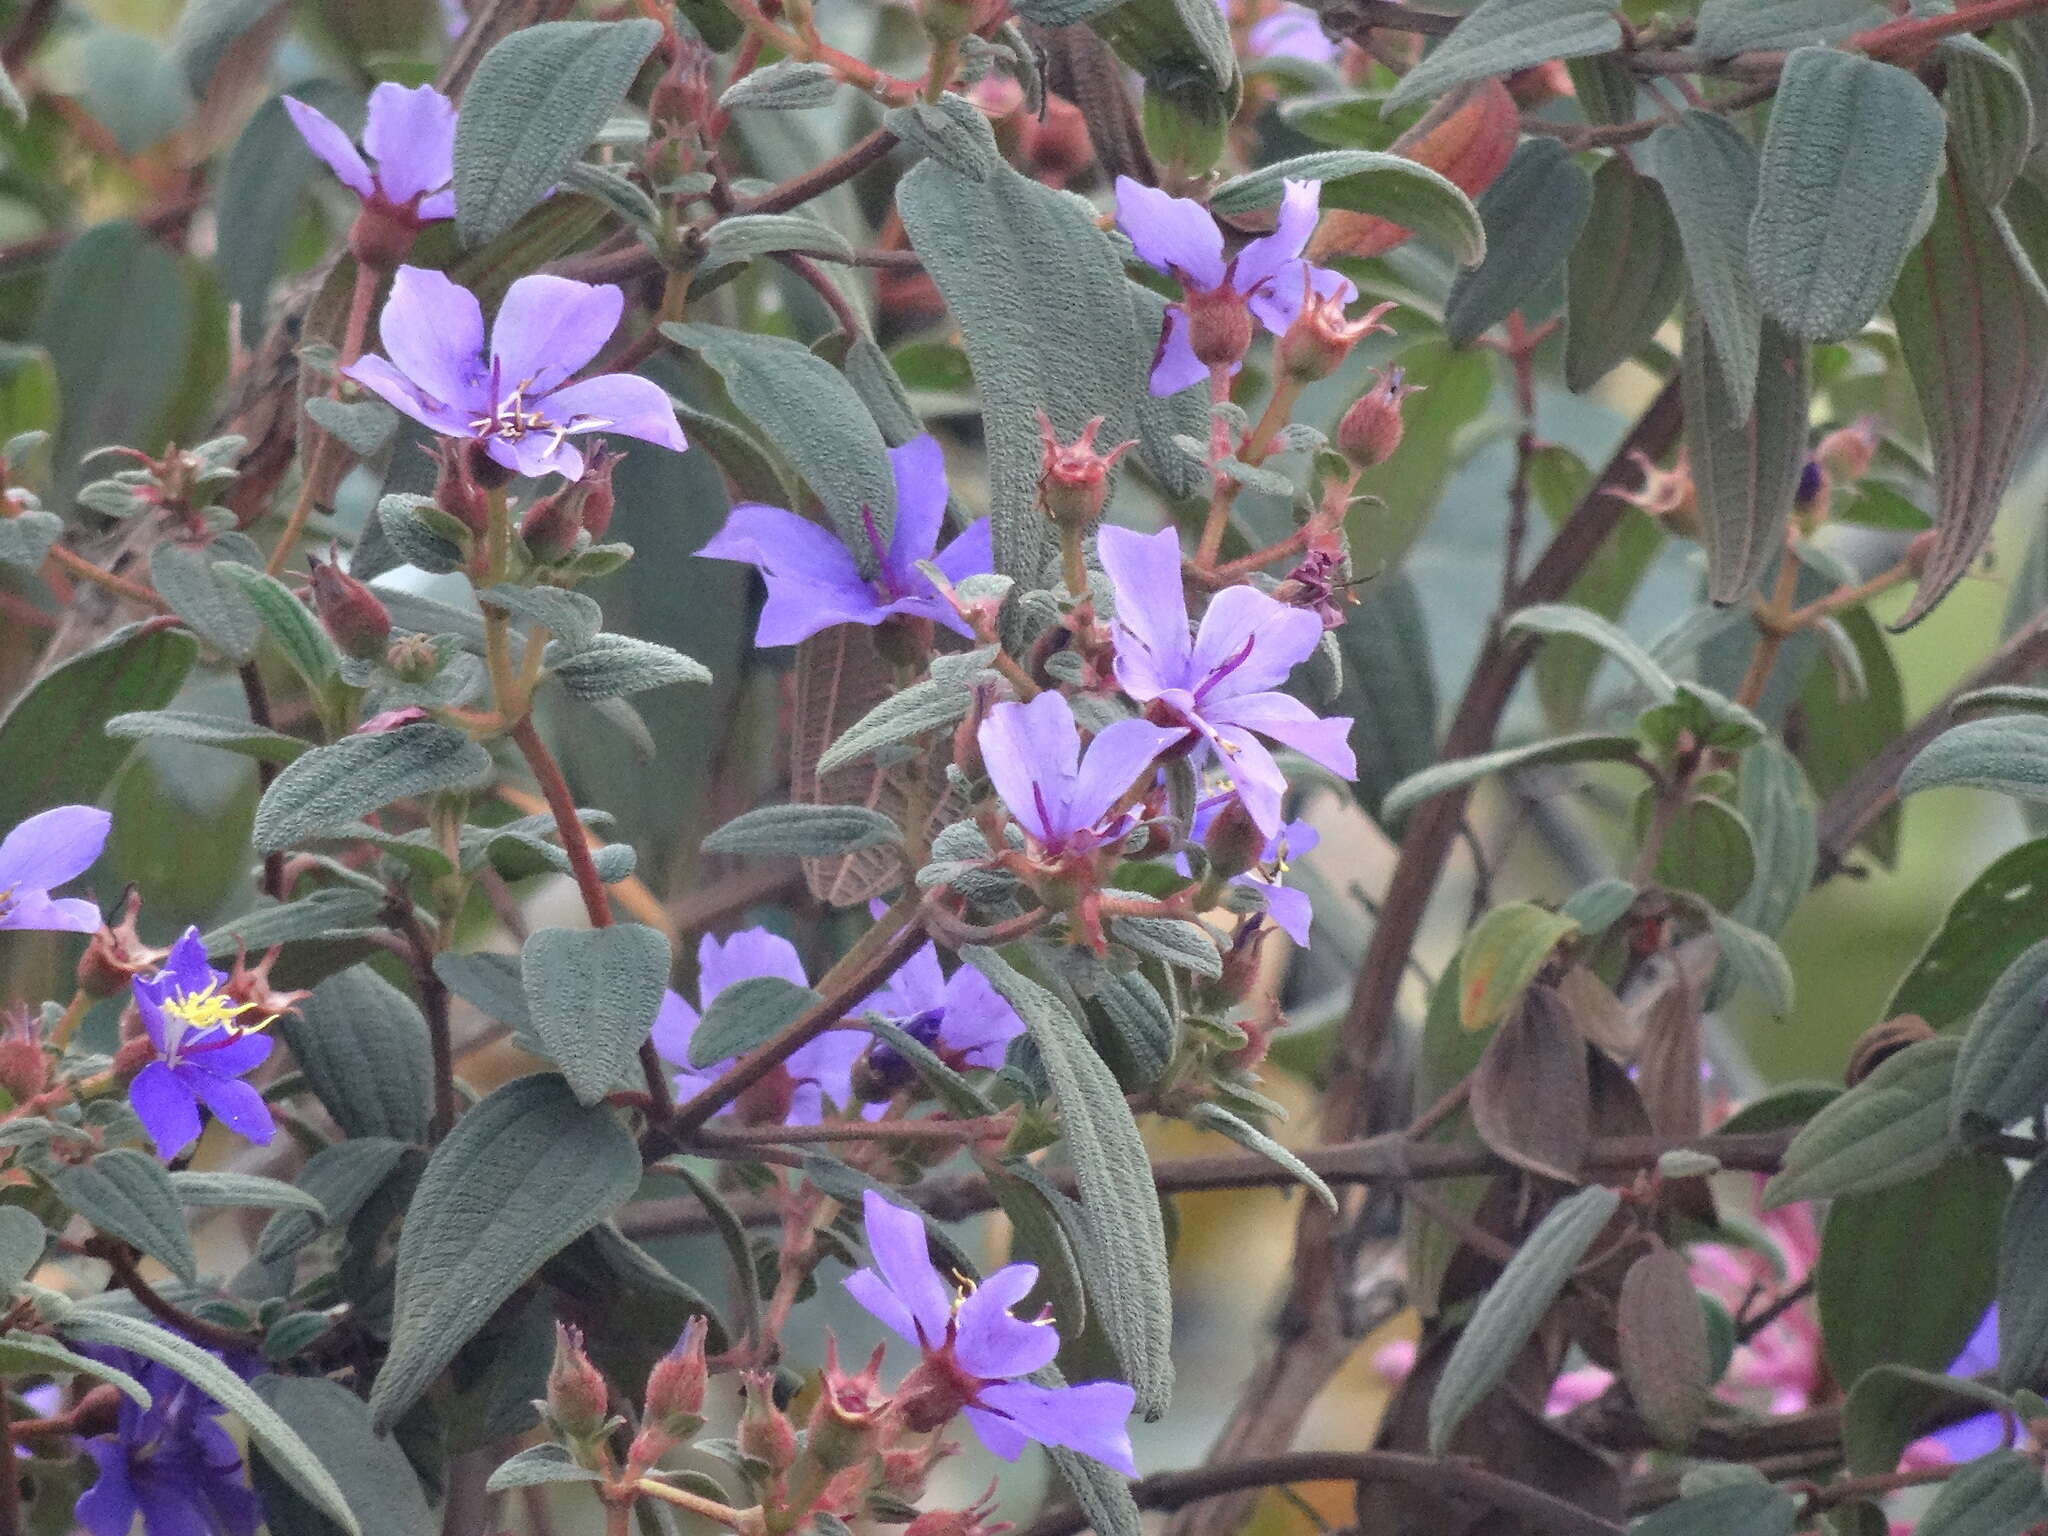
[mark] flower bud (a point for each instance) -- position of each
(598, 497)
(1234, 842)
(577, 1400)
(24, 1069)
(1371, 429)
(765, 1433)
(1846, 452)
(458, 491)
(1667, 494)
(675, 1387)
(348, 610)
(382, 235)
(972, 1521)
(250, 986)
(1321, 337)
(843, 1423)
(1073, 478)
(552, 523)
(116, 955)
(412, 658)
(1219, 325)
(682, 96)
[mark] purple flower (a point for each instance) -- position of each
(1982, 1433)
(1292, 32)
(43, 852)
(411, 136)
(815, 1074)
(813, 581)
(1177, 236)
(1060, 796)
(515, 398)
(1221, 682)
(961, 1017)
(203, 1052)
(1288, 908)
(171, 1464)
(974, 1351)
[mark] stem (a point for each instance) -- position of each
(985, 1128)
(1772, 639)
(258, 701)
(434, 1004)
(1278, 410)
(357, 326)
(1847, 597)
(78, 565)
(1521, 350)
(1224, 490)
(173, 1317)
(823, 178)
(710, 1509)
(497, 622)
(74, 1015)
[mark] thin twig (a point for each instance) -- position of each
(172, 1316)
(258, 700)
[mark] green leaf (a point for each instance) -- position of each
(1992, 1496)
(22, 1241)
(522, 1176)
(788, 85)
(745, 1295)
(327, 913)
(611, 665)
(1709, 172)
(1665, 1359)
(278, 1441)
(2023, 1282)
(1889, 1407)
(949, 1087)
(215, 609)
(1891, 1127)
(363, 1046)
(2015, 698)
(1728, 27)
(223, 731)
(1844, 734)
(1115, 1179)
(2008, 754)
(1972, 316)
(237, 1191)
(950, 130)
(341, 1179)
(1050, 322)
(1707, 850)
(1171, 940)
(305, 644)
(362, 426)
(534, 102)
(1533, 214)
(591, 997)
(748, 1013)
(26, 1352)
(1747, 1508)
(1745, 464)
(1185, 42)
(261, 189)
(1502, 956)
(1849, 163)
(811, 415)
(1501, 36)
(54, 739)
(1511, 1310)
(1754, 959)
(1214, 1117)
(537, 1466)
(25, 539)
(630, 1306)
(1592, 747)
(1389, 688)
(330, 788)
(808, 831)
(1369, 181)
(1103, 1493)
(2002, 1073)
(1624, 275)
(128, 1195)
(1877, 1250)
(1566, 619)
(371, 1470)
(747, 235)
(1990, 117)
(905, 715)
(491, 984)
(1777, 806)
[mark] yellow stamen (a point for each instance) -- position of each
(212, 1009)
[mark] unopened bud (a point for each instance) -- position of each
(458, 491)
(250, 986)
(843, 1424)
(1846, 452)
(675, 1387)
(116, 955)
(382, 235)
(1073, 478)
(1371, 430)
(24, 1069)
(765, 1433)
(412, 658)
(1233, 842)
(1812, 480)
(1321, 337)
(1219, 325)
(598, 497)
(552, 523)
(682, 96)
(577, 1400)
(1881, 1042)
(349, 611)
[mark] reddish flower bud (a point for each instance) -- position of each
(972, 1521)
(675, 1387)
(551, 524)
(1073, 478)
(1321, 337)
(1234, 842)
(598, 497)
(765, 1433)
(459, 483)
(116, 955)
(1219, 325)
(578, 1403)
(24, 1069)
(1371, 429)
(382, 235)
(682, 96)
(348, 610)
(1846, 452)
(843, 1424)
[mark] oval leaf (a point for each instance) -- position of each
(1532, 214)
(1891, 1127)
(331, 788)
(1745, 464)
(129, 1195)
(1709, 172)
(363, 1046)
(591, 998)
(1624, 276)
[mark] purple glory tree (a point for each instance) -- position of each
(1065, 800)
(1221, 681)
(812, 578)
(171, 1464)
(410, 135)
(961, 1017)
(43, 852)
(203, 1052)
(975, 1351)
(815, 1075)
(1177, 236)
(514, 397)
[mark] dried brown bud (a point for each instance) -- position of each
(348, 610)
(250, 985)
(1881, 1042)
(24, 1069)
(1371, 429)
(116, 955)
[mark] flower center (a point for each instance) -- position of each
(510, 419)
(6, 900)
(202, 1012)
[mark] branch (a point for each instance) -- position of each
(175, 1318)
(1172, 1490)
(820, 179)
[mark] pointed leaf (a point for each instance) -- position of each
(330, 788)
(1215, 1117)
(1532, 1096)
(591, 997)
(1501, 36)
(1745, 466)
(1371, 181)
(1709, 172)
(1533, 215)
(1593, 747)
(363, 1046)
(1624, 276)
(1663, 1336)
(371, 1469)
(2002, 1073)
(1891, 1127)
(129, 1195)
(1502, 956)
(2008, 753)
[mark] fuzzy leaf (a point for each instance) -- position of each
(810, 831)
(2008, 754)
(610, 665)
(363, 1046)
(1214, 1117)
(1745, 465)
(128, 1195)
(1709, 173)
(1501, 36)
(591, 998)
(1502, 956)
(1891, 1127)
(371, 1469)
(1533, 215)
(1624, 275)
(2002, 1073)
(1593, 747)
(1414, 196)
(330, 788)
(223, 731)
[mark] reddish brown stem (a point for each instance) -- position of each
(173, 1317)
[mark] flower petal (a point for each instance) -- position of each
(971, 554)
(166, 1108)
(436, 205)
(1260, 783)
(618, 402)
(1153, 650)
(1031, 752)
(536, 454)
(673, 1026)
(979, 1020)
(1266, 259)
(919, 987)
(32, 910)
(872, 1292)
(1291, 33)
(1000, 1435)
(1092, 1419)
(1289, 909)
(1175, 366)
(395, 389)
(1320, 739)
(549, 327)
(433, 329)
(1174, 234)
(920, 470)
(1253, 640)
(108, 1507)
(187, 965)
(991, 1344)
(411, 135)
(1116, 759)
(52, 847)
(236, 1104)
(324, 137)
(749, 953)
(227, 1055)
(896, 1239)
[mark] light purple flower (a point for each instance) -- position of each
(812, 578)
(1287, 907)
(203, 1052)
(1222, 681)
(410, 134)
(1062, 797)
(43, 852)
(515, 398)
(974, 1351)
(1288, 31)
(1177, 236)
(961, 1017)
(815, 1074)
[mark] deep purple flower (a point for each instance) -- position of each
(1222, 681)
(815, 1074)
(1287, 907)
(171, 1464)
(45, 851)
(410, 134)
(1982, 1433)
(203, 1048)
(515, 398)
(1060, 796)
(975, 1351)
(961, 1017)
(813, 581)
(1177, 236)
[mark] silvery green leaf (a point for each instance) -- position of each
(807, 831)
(363, 426)
(1500, 36)
(951, 131)
(747, 235)
(129, 1196)
(606, 666)
(364, 1048)
(333, 786)
(188, 579)
(789, 85)
(591, 998)
(25, 538)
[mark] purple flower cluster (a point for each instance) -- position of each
(204, 1048)
(171, 1465)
